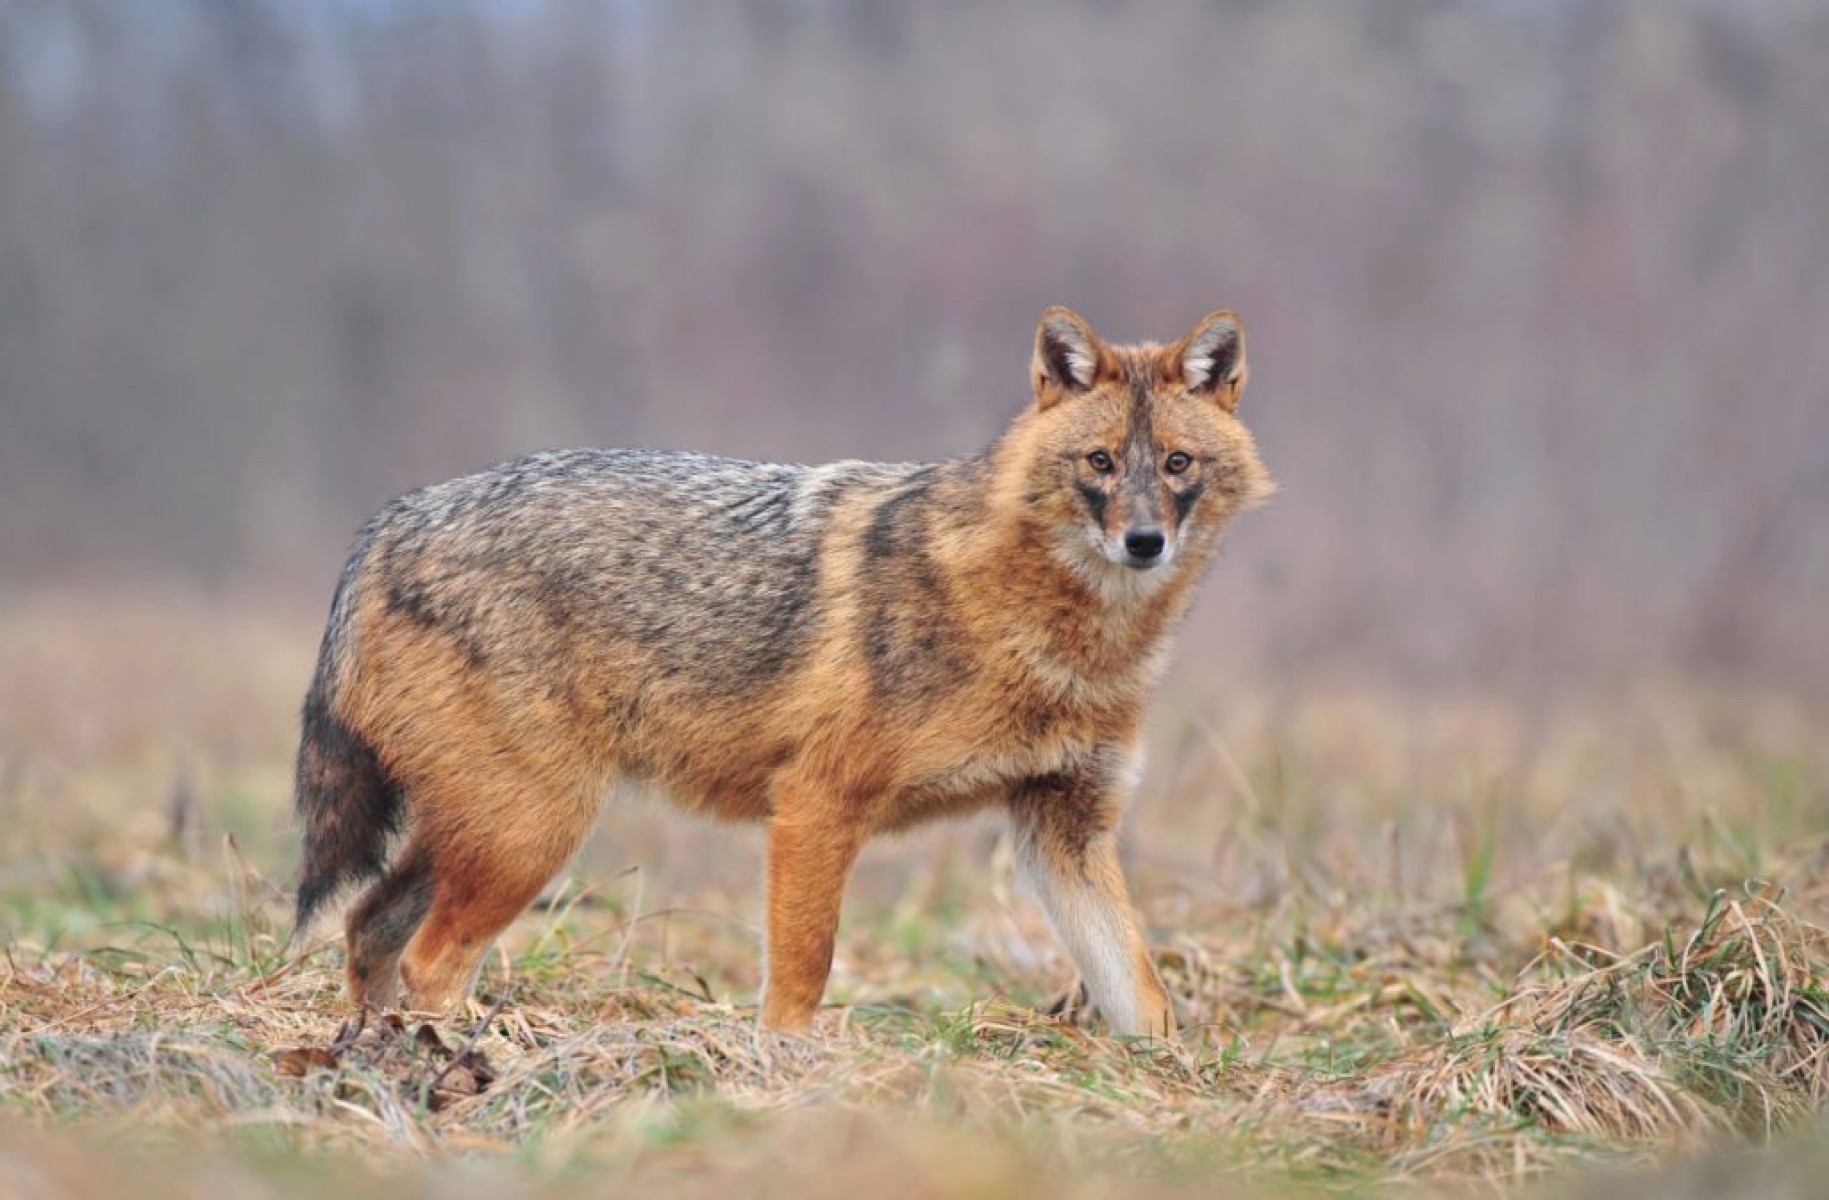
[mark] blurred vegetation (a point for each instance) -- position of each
(1535, 291)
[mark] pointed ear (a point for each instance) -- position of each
(1067, 356)
(1212, 358)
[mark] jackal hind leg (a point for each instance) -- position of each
(381, 923)
(1067, 852)
(491, 864)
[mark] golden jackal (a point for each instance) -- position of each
(836, 650)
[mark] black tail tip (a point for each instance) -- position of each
(311, 896)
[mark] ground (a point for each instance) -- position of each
(1445, 943)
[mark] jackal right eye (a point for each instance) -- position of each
(1101, 462)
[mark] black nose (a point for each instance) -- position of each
(1144, 543)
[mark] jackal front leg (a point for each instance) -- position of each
(809, 862)
(1067, 852)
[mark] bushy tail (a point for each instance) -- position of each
(346, 801)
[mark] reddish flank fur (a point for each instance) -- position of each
(837, 651)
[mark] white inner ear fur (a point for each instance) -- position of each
(1080, 358)
(1203, 354)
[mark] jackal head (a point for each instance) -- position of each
(1135, 456)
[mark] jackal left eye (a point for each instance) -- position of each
(1177, 463)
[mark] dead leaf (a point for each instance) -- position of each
(299, 1061)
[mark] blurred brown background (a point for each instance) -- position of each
(1537, 293)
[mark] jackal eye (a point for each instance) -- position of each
(1101, 462)
(1177, 463)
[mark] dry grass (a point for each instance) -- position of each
(1441, 947)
